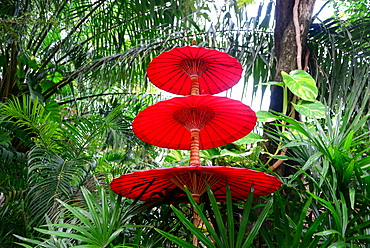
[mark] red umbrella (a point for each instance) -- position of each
(155, 184)
(214, 120)
(192, 70)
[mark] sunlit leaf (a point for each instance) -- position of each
(265, 116)
(301, 84)
(250, 138)
(311, 109)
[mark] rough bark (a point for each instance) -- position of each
(286, 43)
(286, 47)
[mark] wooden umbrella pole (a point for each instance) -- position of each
(194, 147)
(194, 160)
(194, 85)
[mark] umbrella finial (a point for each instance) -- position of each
(194, 41)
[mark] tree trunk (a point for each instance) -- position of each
(290, 54)
(290, 48)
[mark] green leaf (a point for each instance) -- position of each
(273, 83)
(24, 245)
(301, 84)
(312, 228)
(175, 239)
(352, 195)
(348, 172)
(327, 232)
(339, 244)
(245, 217)
(311, 109)
(203, 217)
(300, 224)
(359, 237)
(348, 142)
(250, 138)
(32, 241)
(65, 234)
(282, 157)
(265, 116)
(218, 217)
(230, 216)
(192, 228)
(87, 246)
(225, 152)
(335, 215)
(56, 77)
(257, 225)
(344, 215)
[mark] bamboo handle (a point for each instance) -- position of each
(194, 85)
(194, 147)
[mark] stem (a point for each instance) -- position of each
(285, 99)
(297, 34)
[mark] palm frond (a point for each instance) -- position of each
(51, 178)
(32, 117)
(340, 62)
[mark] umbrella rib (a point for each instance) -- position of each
(195, 178)
(237, 134)
(221, 65)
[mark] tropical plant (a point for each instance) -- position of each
(330, 184)
(61, 159)
(93, 222)
(82, 65)
(221, 229)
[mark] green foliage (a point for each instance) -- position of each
(314, 109)
(221, 229)
(350, 9)
(40, 123)
(76, 70)
(342, 49)
(303, 86)
(51, 178)
(95, 222)
(326, 199)
(241, 153)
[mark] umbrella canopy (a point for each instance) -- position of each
(208, 70)
(155, 184)
(219, 121)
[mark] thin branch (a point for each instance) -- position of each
(46, 30)
(101, 94)
(108, 30)
(322, 7)
(94, 64)
(297, 34)
(78, 25)
(278, 162)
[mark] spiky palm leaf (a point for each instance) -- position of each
(340, 53)
(51, 178)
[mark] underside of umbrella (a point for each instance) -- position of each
(208, 70)
(219, 121)
(160, 183)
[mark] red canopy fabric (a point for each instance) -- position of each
(220, 120)
(154, 184)
(172, 70)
